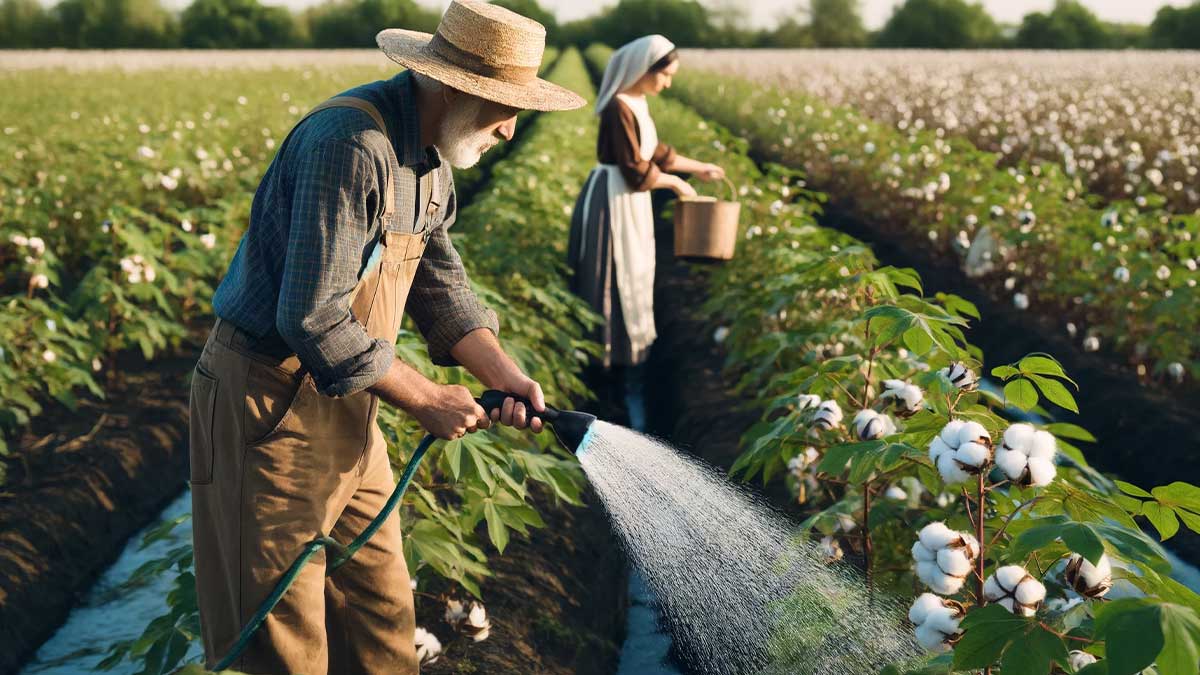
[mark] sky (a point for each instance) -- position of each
(876, 12)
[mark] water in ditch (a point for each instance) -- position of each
(111, 612)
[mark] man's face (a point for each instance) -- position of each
(471, 127)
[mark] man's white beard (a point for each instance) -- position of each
(460, 141)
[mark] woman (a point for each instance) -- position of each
(611, 245)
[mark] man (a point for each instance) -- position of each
(348, 223)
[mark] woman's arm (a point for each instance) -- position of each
(704, 170)
(670, 181)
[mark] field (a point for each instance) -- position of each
(130, 182)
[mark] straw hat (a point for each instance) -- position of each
(484, 50)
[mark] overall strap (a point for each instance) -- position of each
(365, 106)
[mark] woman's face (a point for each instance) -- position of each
(654, 82)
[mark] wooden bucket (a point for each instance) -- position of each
(706, 227)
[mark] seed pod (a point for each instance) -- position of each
(936, 621)
(961, 450)
(870, 425)
(1092, 581)
(830, 550)
(907, 397)
(1078, 660)
(828, 415)
(1015, 589)
(1026, 455)
(943, 557)
(806, 401)
(429, 648)
(960, 376)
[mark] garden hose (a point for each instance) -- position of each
(570, 428)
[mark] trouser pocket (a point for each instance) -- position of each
(201, 408)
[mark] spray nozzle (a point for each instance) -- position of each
(570, 427)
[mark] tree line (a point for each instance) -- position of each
(936, 24)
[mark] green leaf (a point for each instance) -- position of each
(1042, 365)
(497, 531)
(1034, 653)
(918, 341)
(1133, 633)
(1056, 391)
(1131, 489)
(1178, 494)
(1163, 519)
(1020, 393)
(1082, 539)
(1005, 372)
(452, 451)
(1072, 431)
(987, 631)
(1181, 641)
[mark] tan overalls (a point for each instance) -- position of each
(274, 463)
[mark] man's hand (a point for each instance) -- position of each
(481, 354)
(446, 411)
(449, 412)
(514, 414)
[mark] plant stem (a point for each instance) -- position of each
(866, 537)
(979, 537)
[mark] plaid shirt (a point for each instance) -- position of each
(315, 223)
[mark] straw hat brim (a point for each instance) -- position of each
(409, 48)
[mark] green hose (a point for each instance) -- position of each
(344, 553)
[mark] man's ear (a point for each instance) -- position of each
(450, 94)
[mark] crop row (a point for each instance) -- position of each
(872, 416)
(122, 197)
(1120, 124)
(1121, 279)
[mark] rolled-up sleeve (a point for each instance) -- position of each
(441, 302)
(335, 200)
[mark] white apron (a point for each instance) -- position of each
(631, 217)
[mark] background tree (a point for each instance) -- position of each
(23, 24)
(940, 24)
(105, 24)
(354, 23)
(225, 24)
(685, 22)
(1175, 28)
(836, 23)
(1069, 25)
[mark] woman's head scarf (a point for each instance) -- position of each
(630, 63)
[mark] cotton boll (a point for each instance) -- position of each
(923, 606)
(944, 584)
(896, 493)
(1041, 472)
(922, 554)
(806, 401)
(1019, 436)
(949, 433)
(973, 454)
(944, 620)
(1030, 592)
(1079, 660)
(938, 447)
(973, 432)
(960, 376)
(1012, 463)
(1009, 576)
(952, 473)
(1013, 588)
(455, 612)
(936, 535)
(1044, 445)
(429, 648)
(931, 639)
(829, 549)
(1093, 581)
(953, 562)
(828, 415)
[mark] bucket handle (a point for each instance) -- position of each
(732, 189)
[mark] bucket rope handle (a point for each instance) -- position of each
(733, 195)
